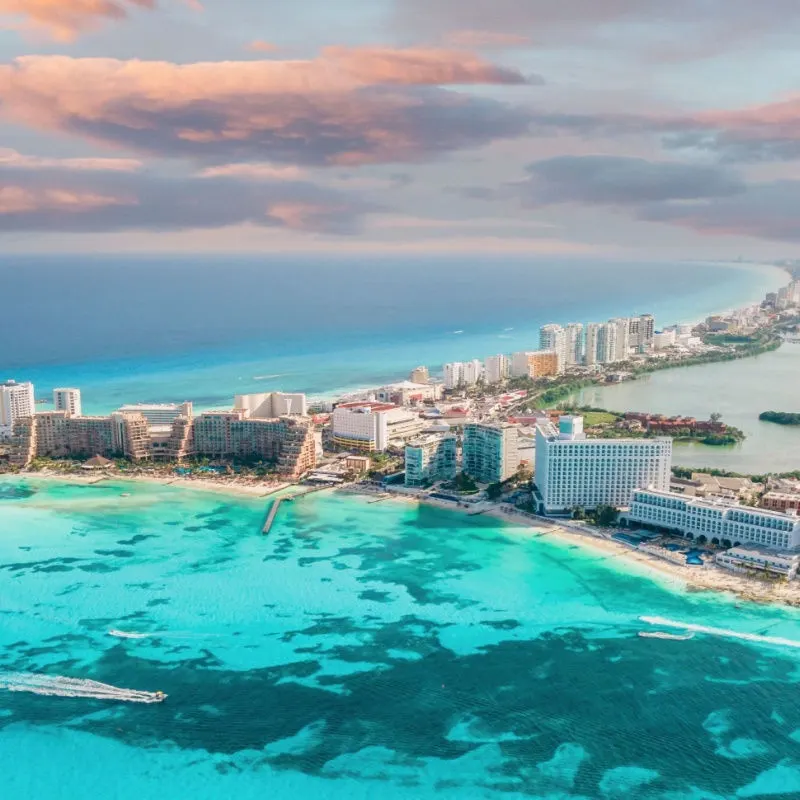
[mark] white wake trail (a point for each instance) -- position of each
(748, 637)
(60, 686)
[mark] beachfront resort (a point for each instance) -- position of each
(481, 435)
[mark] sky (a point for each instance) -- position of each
(628, 128)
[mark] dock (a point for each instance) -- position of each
(273, 510)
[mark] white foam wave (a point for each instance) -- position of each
(60, 686)
(748, 637)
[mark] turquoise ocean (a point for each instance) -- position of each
(369, 650)
(204, 329)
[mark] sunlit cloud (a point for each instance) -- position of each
(349, 106)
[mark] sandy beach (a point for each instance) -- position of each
(711, 578)
(223, 485)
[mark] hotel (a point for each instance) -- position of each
(270, 405)
(56, 434)
(575, 472)
(287, 442)
(370, 426)
(16, 403)
(68, 400)
(430, 458)
(490, 451)
(715, 519)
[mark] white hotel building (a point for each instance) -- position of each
(370, 427)
(715, 519)
(573, 471)
(68, 400)
(16, 402)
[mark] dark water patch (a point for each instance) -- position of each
(98, 566)
(116, 553)
(193, 528)
(138, 539)
(158, 601)
(217, 524)
(17, 492)
(503, 624)
(48, 565)
(375, 596)
(601, 700)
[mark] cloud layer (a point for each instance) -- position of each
(622, 181)
(65, 197)
(65, 19)
(348, 106)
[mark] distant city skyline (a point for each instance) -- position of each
(631, 130)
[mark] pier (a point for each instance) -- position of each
(273, 510)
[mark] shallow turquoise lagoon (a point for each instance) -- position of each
(368, 650)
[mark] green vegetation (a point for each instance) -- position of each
(494, 491)
(604, 516)
(780, 417)
(686, 472)
(594, 418)
(463, 484)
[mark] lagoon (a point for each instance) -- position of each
(739, 390)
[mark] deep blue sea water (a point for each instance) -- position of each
(203, 329)
(365, 651)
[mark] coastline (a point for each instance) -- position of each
(377, 360)
(672, 576)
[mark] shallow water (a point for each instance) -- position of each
(368, 650)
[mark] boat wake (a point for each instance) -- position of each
(676, 637)
(59, 686)
(748, 637)
(128, 634)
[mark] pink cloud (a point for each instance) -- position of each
(22, 200)
(65, 19)
(348, 106)
(16, 160)
(418, 66)
(260, 46)
(253, 172)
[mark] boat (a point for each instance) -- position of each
(127, 634)
(125, 494)
(678, 637)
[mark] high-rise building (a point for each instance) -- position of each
(574, 345)
(369, 426)
(271, 405)
(642, 329)
(490, 451)
(16, 402)
(607, 343)
(591, 355)
(473, 372)
(575, 472)
(68, 400)
(496, 369)
(622, 325)
(554, 337)
(454, 375)
(57, 434)
(419, 375)
(520, 364)
(288, 442)
(534, 364)
(430, 458)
